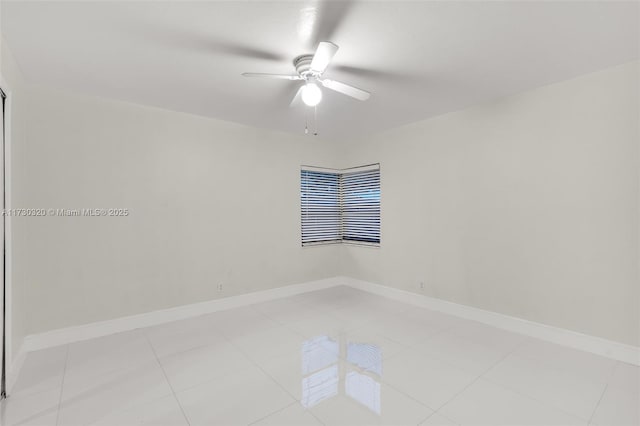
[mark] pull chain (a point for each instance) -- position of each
(315, 119)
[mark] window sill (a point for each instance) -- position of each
(347, 243)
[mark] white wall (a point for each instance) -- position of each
(528, 206)
(211, 202)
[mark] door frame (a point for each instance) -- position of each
(6, 188)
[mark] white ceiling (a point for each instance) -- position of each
(419, 59)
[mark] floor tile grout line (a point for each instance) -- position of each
(426, 339)
(481, 375)
(316, 417)
(164, 373)
(64, 375)
(190, 387)
(219, 333)
(517, 391)
(439, 414)
(325, 312)
(531, 397)
(609, 377)
(403, 393)
(295, 400)
(314, 310)
(11, 395)
(34, 393)
(400, 391)
(284, 408)
(271, 414)
(447, 362)
(524, 395)
(255, 364)
(593, 413)
(270, 327)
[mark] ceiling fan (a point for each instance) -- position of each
(309, 68)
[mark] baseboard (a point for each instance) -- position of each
(67, 335)
(596, 345)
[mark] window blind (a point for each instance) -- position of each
(320, 201)
(341, 205)
(360, 202)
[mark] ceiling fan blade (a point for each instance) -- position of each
(277, 76)
(330, 17)
(322, 57)
(297, 99)
(345, 89)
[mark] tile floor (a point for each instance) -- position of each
(335, 357)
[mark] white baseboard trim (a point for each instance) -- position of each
(78, 333)
(584, 342)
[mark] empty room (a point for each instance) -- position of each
(320, 212)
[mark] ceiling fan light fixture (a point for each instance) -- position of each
(311, 94)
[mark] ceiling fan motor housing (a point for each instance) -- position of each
(303, 66)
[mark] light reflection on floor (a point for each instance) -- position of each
(325, 377)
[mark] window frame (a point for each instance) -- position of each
(340, 173)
